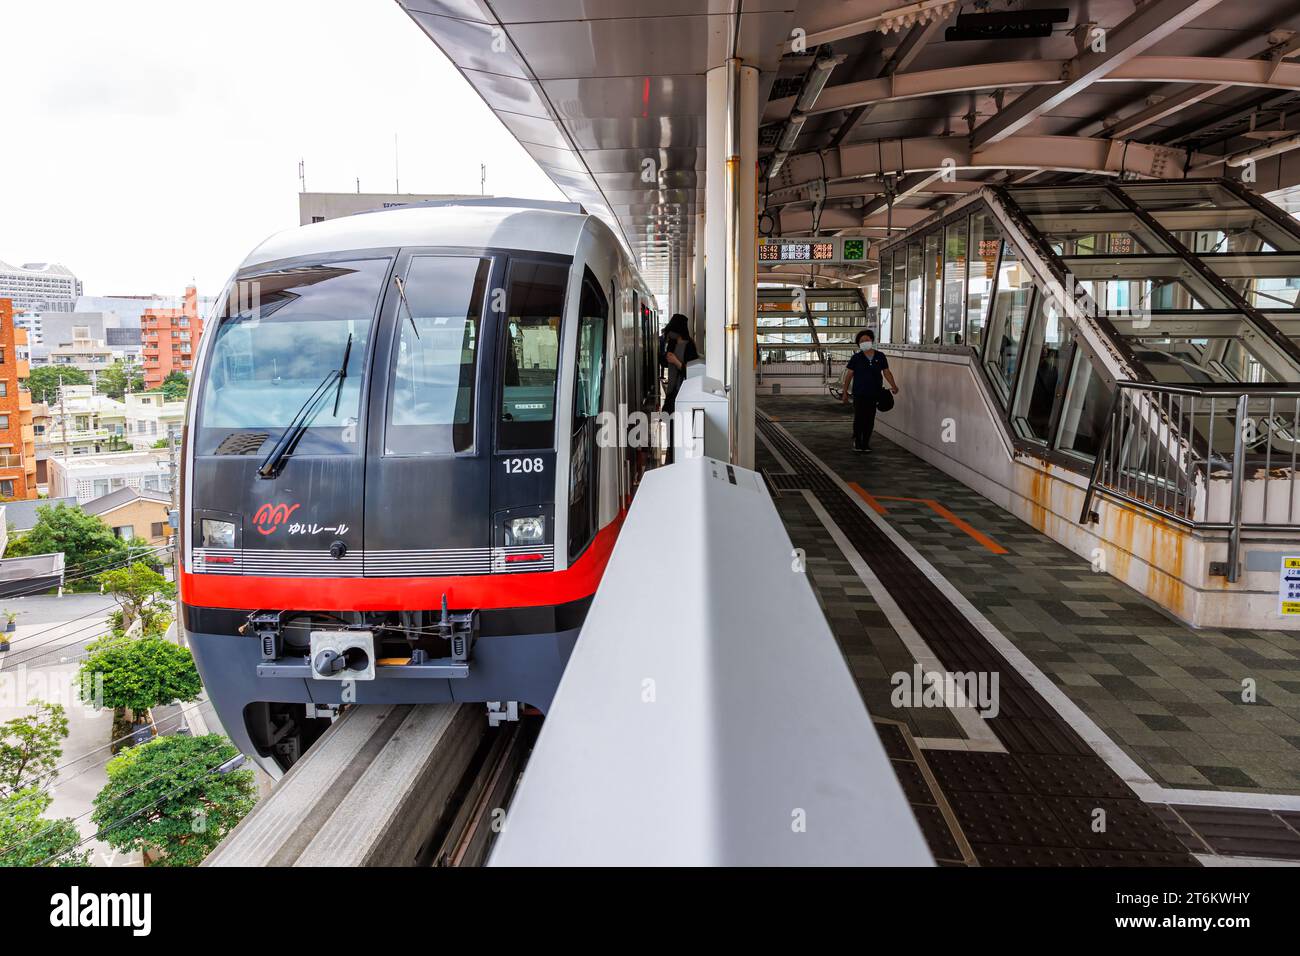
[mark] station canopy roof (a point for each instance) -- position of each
(876, 113)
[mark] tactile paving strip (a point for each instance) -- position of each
(1049, 801)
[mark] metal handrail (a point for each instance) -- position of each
(1152, 454)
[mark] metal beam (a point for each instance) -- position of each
(1010, 74)
(898, 62)
(1147, 26)
(1128, 125)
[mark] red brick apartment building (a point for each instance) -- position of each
(169, 339)
(17, 437)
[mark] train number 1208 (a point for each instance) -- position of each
(524, 466)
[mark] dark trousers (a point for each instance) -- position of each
(864, 419)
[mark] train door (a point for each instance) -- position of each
(588, 394)
(426, 492)
(523, 461)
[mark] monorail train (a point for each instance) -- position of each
(393, 490)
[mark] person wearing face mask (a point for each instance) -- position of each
(867, 373)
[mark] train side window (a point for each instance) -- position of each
(531, 355)
(584, 463)
(431, 407)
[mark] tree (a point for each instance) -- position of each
(27, 838)
(172, 799)
(113, 381)
(31, 746)
(175, 386)
(137, 674)
(88, 545)
(142, 594)
(44, 381)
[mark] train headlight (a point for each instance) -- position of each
(524, 531)
(218, 534)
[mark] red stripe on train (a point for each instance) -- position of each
(523, 589)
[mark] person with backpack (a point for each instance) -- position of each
(676, 350)
(865, 381)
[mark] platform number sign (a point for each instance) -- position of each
(1288, 592)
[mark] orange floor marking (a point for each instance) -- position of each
(873, 502)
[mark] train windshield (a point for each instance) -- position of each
(431, 411)
(282, 333)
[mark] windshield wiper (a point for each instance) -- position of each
(401, 293)
(273, 464)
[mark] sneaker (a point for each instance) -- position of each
(867, 450)
(858, 450)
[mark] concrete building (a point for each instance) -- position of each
(317, 207)
(150, 417)
(87, 477)
(88, 340)
(17, 437)
(39, 286)
(81, 423)
(134, 513)
(169, 339)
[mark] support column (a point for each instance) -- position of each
(732, 240)
(697, 262)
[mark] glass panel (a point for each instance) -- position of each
(591, 353)
(283, 334)
(431, 408)
(535, 305)
(914, 295)
(1087, 402)
(899, 298)
(1043, 357)
(1186, 359)
(1015, 288)
(933, 287)
(1096, 244)
(886, 299)
(1182, 196)
(954, 281)
(1065, 199)
(984, 245)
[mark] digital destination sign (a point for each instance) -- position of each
(828, 250)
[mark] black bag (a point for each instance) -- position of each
(885, 400)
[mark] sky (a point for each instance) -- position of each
(151, 144)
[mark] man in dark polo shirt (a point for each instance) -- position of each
(867, 373)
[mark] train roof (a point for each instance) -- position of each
(476, 224)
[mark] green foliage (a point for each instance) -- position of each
(27, 838)
(143, 595)
(138, 673)
(175, 386)
(144, 552)
(113, 380)
(30, 746)
(44, 381)
(88, 545)
(166, 797)
(161, 443)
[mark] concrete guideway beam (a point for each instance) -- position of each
(369, 793)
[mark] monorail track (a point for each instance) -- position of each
(389, 785)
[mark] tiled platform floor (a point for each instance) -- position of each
(1169, 695)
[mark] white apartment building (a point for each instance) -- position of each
(87, 477)
(39, 286)
(83, 423)
(150, 417)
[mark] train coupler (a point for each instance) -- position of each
(459, 631)
(269, 630)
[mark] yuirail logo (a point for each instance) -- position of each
(269, 517)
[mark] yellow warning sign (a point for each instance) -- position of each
(1291, 563)
(1290, 607)
(1288, 591)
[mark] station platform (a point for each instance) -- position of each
(1114, 734)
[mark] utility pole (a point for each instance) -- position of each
(63, 420)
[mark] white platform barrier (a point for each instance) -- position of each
(707, 716)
